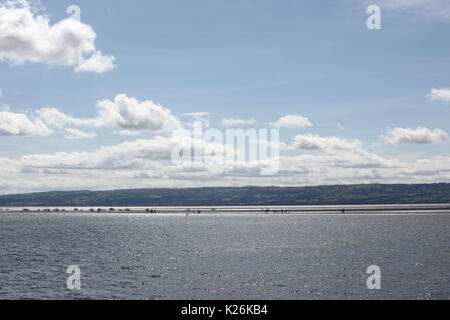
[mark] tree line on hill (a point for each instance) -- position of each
(241, 196)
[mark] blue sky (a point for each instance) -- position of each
(259, 60)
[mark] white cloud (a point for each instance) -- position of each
(126, 155)
(197, 115)
(131, 164)
(96, 63)
(325, 160)
(124, 112)
(439, 95)
(56, 119)
(419, 135)
(312, 142)
(126, 133)
(16, 124)
(292, 121)
(231, 122)
(73, 134)
(1, 92)
(129, 113)
(26, 36)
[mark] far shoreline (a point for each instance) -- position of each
(261, 210)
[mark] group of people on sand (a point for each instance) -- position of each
(194, 211)
(276, 211)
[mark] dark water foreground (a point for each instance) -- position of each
(145, 256)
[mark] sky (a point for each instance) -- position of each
(99, 103)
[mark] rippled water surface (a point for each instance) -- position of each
(144, 256)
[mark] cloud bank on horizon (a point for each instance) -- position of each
(114, 135)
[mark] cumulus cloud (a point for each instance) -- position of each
(420, 135)
(96, 63)
(126, 133)
(57, 119)
(26, 36)
(73, 134)
(129, 113)
(231, 122)
(124, 112)
(131, 164)
(16, 124)
(439, 95)
(126, 155)
(292, 121)
(313, 142)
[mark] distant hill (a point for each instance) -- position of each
(233, 196)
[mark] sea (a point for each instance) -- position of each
(139, 255)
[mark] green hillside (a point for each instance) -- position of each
(232, 196)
